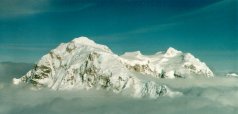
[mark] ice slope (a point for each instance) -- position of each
(82, 64)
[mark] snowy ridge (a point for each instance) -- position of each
(83, 64)
(170, 64)
(231, 75)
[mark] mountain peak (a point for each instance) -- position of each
(84, 40)
(171, 52)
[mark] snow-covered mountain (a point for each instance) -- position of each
(232, 75)
(83, 64)
(169, 64)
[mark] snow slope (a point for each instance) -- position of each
(83, 64)
(169, 64)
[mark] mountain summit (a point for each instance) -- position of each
(83, 64)
(171, 52)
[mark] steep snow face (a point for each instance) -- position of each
(83, 64)
(80, 63)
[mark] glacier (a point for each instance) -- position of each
(82, 64)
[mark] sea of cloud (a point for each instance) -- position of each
(200, 96)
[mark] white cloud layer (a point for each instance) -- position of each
(201, 96)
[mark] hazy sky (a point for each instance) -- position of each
(206, 28)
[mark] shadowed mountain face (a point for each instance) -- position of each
(8, 70)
